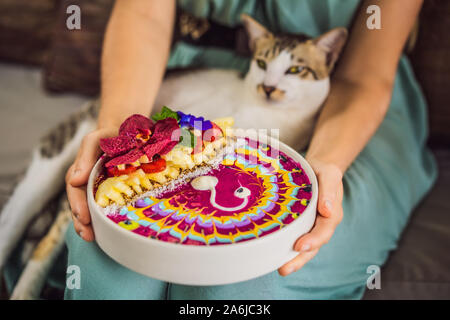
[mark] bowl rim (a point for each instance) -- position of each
(249, 243)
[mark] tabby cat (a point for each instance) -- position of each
(287, 82)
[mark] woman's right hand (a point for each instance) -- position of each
(77, 177)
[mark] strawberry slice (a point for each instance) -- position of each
(212, 134)
(198, 145)
(154, 166)
(114, 171)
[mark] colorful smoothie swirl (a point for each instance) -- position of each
(183, 179)
(254, 191)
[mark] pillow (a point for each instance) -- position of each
(73, 62)
(25, 30)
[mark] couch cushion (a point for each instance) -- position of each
(27, 113)
(25, 30)
(430, 59)
(73, 63)
(419, 268)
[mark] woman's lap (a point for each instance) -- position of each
(103, 278)
(382, 186)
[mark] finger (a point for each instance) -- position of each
(327, 194)
(86, 158)
(330, 190)
(69, 173)
(297, 263)
(78, 203)
(84, 231)
(320, 234)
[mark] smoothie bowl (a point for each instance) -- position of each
(206, 208)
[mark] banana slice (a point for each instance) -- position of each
(113, 189)
(226, 124)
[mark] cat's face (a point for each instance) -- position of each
(291, 69)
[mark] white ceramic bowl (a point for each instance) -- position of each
(202, 265)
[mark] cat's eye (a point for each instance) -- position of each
(294, 70)
(261, 64)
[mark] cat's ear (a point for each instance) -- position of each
(254, 30)
(332, 43)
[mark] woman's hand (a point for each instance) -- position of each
(353, 111)
(330, 214)
(77, 177)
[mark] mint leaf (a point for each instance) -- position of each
(187, 138)
(165, 113)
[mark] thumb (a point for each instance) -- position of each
(85, 161)
(328, 189)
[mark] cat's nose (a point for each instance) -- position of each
(268, 90)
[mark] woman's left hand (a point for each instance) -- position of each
(330, 214)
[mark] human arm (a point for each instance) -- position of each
(134, 57)
(359, 99)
